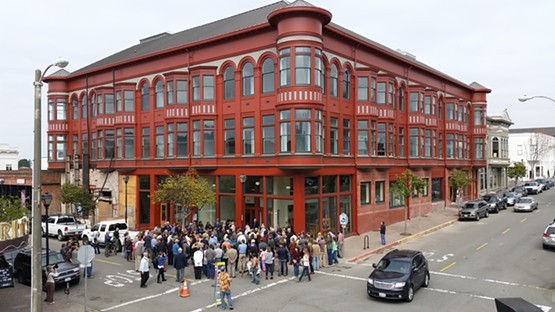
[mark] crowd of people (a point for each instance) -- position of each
(256, 251)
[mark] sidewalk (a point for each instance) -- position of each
(354, 246)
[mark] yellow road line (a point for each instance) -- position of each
(523, 220)
(108, 262)
(507, 230)
(447, 267)
(481, 246)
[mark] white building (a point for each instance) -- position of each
(493, 178)
(535, 147)
(9, 157)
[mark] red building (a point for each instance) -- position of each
(317, 119)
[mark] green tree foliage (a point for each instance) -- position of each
(24, 163)
(407, 183)
(516, 171)
(11, 208)
(186, 190)
(78, 196)
(459, 179)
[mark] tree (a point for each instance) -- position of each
(24, 163)
(11, 209)
(78, 197)
(539, 146)
(516, 171)
(405, 185)
(186, 190)
(459, 180)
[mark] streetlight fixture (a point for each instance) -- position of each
(125, 180)
(46, 200)
(243, 179)
(36, 279)
(525, 98)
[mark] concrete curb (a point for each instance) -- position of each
(402, 240)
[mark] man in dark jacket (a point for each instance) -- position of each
(179, 264)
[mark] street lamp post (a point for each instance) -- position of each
(36, 279)
(125, 180)
(525, 98)
(46, 200)
(243, 179)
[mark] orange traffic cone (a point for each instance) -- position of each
(184, 290)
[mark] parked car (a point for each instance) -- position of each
(495, 203)
(549, 236)
(533, 187)
(520, 190)
(398, 275)
(108, 226)
(545, 184)
(63, 226)
(67, 271)
(512, 198)
(526, 204)
(474, 209)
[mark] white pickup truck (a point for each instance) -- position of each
(108, 226)
(533, 187)
(63, 226)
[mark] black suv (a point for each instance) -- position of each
(495, 202)
(67, 271)
(398, 274)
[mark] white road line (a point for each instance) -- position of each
(246, 293)
(544, 308)
(488, 280)
(150, 297)
(342, 276)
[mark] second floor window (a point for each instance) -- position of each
(159, 141)
(229, 137)
(145, 97)
(182, 91)
(414, 142)
(334, 136)
(302, 66)
(268, 76)
(268, 134)
(248, 79)
(159, 92)
(333, 80)
(450, 111)
(362, 88)
(413, 105)
(145, 143)
(346, 84)
(229, 83)
(208, 88)
(284, 67)
(248, 136)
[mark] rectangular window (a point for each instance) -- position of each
(119, 102)
(285, 131)
(413, 142)
(381, 93)
(413, 102)
(334, 136)
(229, 137)
(450, 145)
(50, 148)
(61, 147)
(364, 193)
(208, 137)
(318, 131)
(109, 103)
(171, 140)
(362, 141)
(169, 93)
(373, 137)
(99, 145)
(450, 111)
(373, 90)
(395, 199)
(390, 93)
(380, 192)
(428, 144)
(478, 116)
(208, 88)
(302, 131)
(318, 69)
(381, 138)
(196, 88)
(129, 143)
(440, 146)
(159, 141)
(129, 101)
(75, 144)
(427, 105)
(478, 148)
(182, 139)
(145, 142)
(75, 109)
(302, 66)
(84, 108)
(363, 88)
(248, 136)
(182, 91)
(268, 134)
(93, 145)
(61, 113)
(346, 137)
(401, 142)
(109, 144)
(284, 67)
(100, 104)
(390, 140)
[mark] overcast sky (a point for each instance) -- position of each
(505, 45)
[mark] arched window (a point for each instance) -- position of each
(144, 97)
(346, 84)
(268, 76)
(333, 80)
(159, 90)
(93, 105)
(495, 148)
(75, 109)
(401, 99)
(84, 107)
(229, 83)
(248, 79)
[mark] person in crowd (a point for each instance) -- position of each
(305, 261)
(334, 250)
(179, 265)
(225, 290)
(382, 232)
(340, 241)
(225, 256)
(51, 272)
(198, 258)
(144, 268)
(283, 257)
(315, 255)
(232, 258)
(323, 253)
(254, 270)
(242, 250)
(269, 262)
(138, 253)
(128, 247)
(295, 259)
(210, 259)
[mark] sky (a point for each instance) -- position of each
(505, 45)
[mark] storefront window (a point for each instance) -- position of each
(312, 215)
(329, 214)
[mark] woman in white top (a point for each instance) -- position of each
(51, 283)
(198, 258)
(306, 265)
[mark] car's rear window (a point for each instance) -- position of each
(550, 230)
(469, 205)
(525, 200)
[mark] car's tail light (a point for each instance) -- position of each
(545, 235)
(66, 229)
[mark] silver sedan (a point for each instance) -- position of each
(526, 204)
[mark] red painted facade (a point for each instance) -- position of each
(322, 124)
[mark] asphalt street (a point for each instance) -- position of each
(471, 263)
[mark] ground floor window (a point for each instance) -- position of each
(279, 213)
(395, 199)
(437, 189)
(346, 207)
(227, 209)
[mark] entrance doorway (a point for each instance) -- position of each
(164, 213)
(253, 210)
